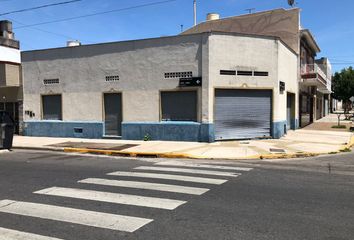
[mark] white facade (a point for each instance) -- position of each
(10, 55)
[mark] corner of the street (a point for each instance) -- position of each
(301, 143)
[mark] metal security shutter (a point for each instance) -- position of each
(51, 107)
(242, 114)
(179, 106)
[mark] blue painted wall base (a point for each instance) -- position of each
(169, 131)
(165, 131)
(64, 129)
(278, 129)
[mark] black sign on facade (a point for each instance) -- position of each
(281, 86)
(190, 82)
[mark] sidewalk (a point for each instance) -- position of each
(298, 143)
(328, 121)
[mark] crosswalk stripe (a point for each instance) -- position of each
(187, 170)
(117, 198)
(8, 234)
(147, 185)
(76, 216)
(182, 178)
(196, 165)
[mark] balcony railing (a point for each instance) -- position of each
(314, 71)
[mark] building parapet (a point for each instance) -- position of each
(9, 43)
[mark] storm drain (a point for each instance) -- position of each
(277, 150)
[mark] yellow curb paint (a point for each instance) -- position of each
(351, 142)
(190, 156)
(131, 154)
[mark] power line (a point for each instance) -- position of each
(98, 13)
(39, 7)
(50, 32)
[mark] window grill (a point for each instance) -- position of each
(178, 75)
(51, 81)
(227, 72)
(244, 73)
(112, 78)
(262, 74)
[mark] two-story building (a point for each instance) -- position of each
(314, 75)
(11, 95)
(315, 82)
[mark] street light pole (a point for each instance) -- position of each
(195, 11)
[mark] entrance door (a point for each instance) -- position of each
(113, 114)
(290, 109)
(242, 114)
(13, 109)
(306, 110)
(326, 107)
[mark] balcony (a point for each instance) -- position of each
(314, 75)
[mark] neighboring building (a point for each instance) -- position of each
(10, 78)
(316, 81)
(195, 87)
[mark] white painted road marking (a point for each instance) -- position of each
(8, 234)
(147, 185)
(118, 198)
(196, 165)
(170, 177)
(188, 170)
(72, 215)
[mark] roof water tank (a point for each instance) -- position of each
(213, 16)
(74, 43)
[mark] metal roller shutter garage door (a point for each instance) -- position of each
(242, 114)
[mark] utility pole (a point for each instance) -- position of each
(195, 11)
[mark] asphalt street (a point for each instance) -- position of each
(49, 195)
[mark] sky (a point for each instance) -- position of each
(330, 21)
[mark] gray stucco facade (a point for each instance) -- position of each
(139, 69)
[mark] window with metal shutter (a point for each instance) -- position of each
(179, 106)
(52, 109)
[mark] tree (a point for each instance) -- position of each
(343, 87)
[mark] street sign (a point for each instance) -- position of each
(190, 82)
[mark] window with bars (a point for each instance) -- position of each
(178, 74)
(51, 81)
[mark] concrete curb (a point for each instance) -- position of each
(125, 153)
(183, 155)
(128, 153)
(351, 142)
(40, 148)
